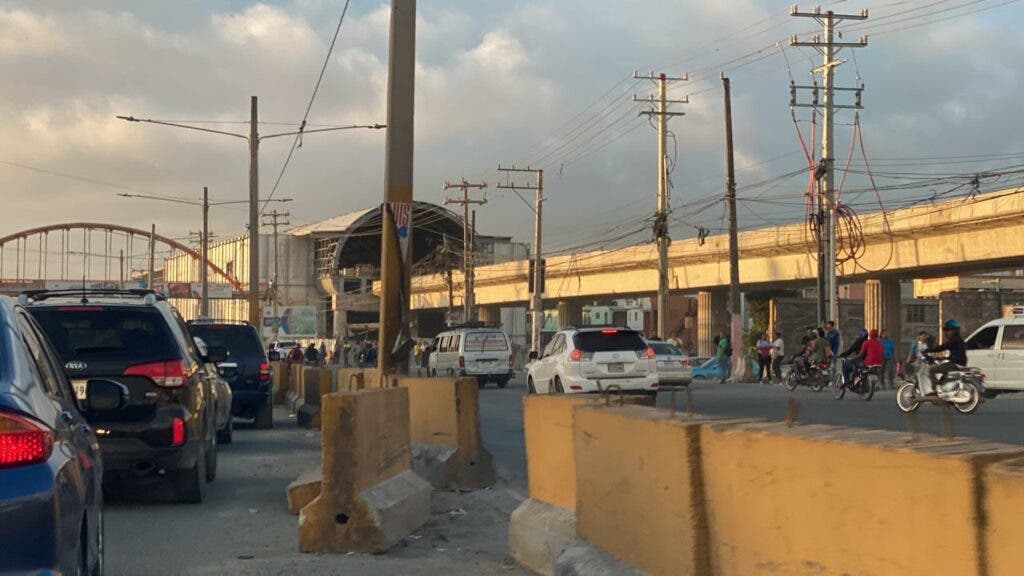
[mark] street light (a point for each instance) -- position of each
(254, 139)
(204, 301)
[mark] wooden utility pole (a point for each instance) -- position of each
(274, 220)
(467, 241)
(537, 287)
(395, 269)
(735, 321)
(255, 316)
(152, 256)
(661, 218)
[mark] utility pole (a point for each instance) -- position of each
(735, 328)
(120, 282)
(467, 240)
(828, 47)
(152, 256)
(255, 315)
(396, 268)
(661, 220)
(276, 219)
(537, 288)
(204, 295)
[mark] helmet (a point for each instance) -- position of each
(950, 325)
(813, 334)
(862, 333)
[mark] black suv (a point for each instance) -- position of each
(167, 427)
(246, 369)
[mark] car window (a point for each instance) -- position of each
(100, 333)
(665, 349)
(455, 342)
(983, 340)
(550, 348)
(609, 340)
(239, 339)
(443, 347)
(558, 345)
(49, 375)
(1013, 338)
(486, 342)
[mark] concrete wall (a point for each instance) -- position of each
(1004, 501)
(973, 309)
(550, 458)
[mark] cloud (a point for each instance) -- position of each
(267, 29)
(24, 33)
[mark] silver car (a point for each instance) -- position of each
(221, 393)
(672, 364)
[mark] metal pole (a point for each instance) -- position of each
(472, 268)
(398, 180)
(735, 327)
(828, 182)
(663, 240)
(152, 256)
(467, 282)
(537, 314)
(254, 215)
(204, 297)
(120, 282)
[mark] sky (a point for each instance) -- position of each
(547, 83)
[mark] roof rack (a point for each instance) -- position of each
(148, 296)
(476, 324)
(205, 320)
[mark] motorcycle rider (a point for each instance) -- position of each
(820, 349)
(854, 350)
(954, 345)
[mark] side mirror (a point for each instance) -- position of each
(216, 354)
(105, 396)
(532, 355)
(274, 356)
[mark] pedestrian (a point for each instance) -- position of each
(322, 353)
(778, 351)
(764, 359)
(889, 359)
(834, 342)
(336, 352)
(311, 355)
(295, 355)
(724, 355)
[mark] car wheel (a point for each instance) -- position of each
(190, 484)
(227, 435)
(211, 462)
(502, 383)
(529, 386)
(265, 417)
(558, 386)
(433, 373)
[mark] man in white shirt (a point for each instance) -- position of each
(778, 350)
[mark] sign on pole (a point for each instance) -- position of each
(401, 213)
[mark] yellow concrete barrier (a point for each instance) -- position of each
(279, 375)
(369, 497)
(316, 383)
(836, 501)
(444, 423)
(1003, 505)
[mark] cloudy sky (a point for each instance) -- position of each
(498, 81)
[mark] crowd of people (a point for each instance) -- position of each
(346, 353)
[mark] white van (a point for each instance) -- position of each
(997, 349)
(480, 352)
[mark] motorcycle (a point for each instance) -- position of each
(864, 380)
(816, 376)
(962, 388)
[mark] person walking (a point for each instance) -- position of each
(724, 355)
(778, 351)
(764, 359)
(889, 360)
(311, 355)
(322, 354)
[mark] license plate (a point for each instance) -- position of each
(80, 388)
(616, 368)
(485, 362)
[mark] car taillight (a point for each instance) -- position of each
(264, 370)
(462, 361)
(575, 387)
(650, 353)
(684, 362)
(609, 331)
(177, 432)
(23, 441)
(168, 374)
(576, 354)
(509, 362)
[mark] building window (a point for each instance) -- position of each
(917, 314)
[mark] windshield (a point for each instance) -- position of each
(240, 340)
(486, 342)
(80, 332)
(609, 340)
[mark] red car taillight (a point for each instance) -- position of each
(576, 354)
(685, 362)
(168, 374)
(23, 441)
(509, 362)
(462, 361)
(650, 353)
(264, 370)
(177, 432)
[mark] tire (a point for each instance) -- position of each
(190, 484)
(838, 389)
(971, 405)
(819, 382)
(558, 386)
(790, 382)
(265, 417)
(905, 395)
(866, 387)
(211, 461)
(481, 383)
(433, 373)
(502, 383)
(227, 435)
(529, 386)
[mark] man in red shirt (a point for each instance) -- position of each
(872, 350)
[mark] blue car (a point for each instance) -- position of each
(51, 499)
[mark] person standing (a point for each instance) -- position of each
(764, 359)
(724, 355)
(889, 359)
(778, 351)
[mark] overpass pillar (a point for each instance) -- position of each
(340, 316)
(489, 314)
(882, 308)
(569, 314)
(712, 316)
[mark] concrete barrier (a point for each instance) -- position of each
(279, 374)
(544, 525)
(369, 497)
(1003, 501)
(444, 422)
(316, 383)
(295, 391)
(834, 501)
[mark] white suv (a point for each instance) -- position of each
(582, 360)
(997, 349)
